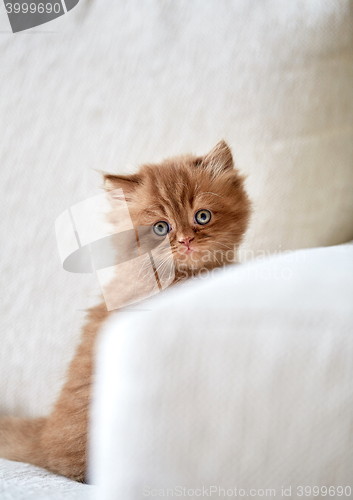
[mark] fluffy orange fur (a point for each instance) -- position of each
(172, 191)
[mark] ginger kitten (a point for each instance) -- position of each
(201, 203)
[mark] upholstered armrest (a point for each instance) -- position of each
(243, 380)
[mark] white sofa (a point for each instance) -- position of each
(243, 380)
(112, 86)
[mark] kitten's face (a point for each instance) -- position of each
(199, 202)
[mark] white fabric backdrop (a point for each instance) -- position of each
(112, 84)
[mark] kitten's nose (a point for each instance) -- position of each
(186, 241)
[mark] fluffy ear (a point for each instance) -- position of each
(219, 159)
(128, 183)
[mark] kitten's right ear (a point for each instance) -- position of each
(128, 183)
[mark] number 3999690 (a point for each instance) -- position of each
(33, 8)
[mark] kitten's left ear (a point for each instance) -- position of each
(128, 183)
(219, 159)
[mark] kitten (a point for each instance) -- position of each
(201, 203)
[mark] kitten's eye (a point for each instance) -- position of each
(161, 228)
(203, 216)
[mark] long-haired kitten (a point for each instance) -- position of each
(201, 203)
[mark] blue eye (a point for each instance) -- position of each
(161, 228)
(203, 216)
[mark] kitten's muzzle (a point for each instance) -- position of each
(186, 241)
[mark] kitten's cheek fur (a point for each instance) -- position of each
(183, 274)
(181, 257)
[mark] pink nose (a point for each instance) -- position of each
(186, 241)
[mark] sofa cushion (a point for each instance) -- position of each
(243, 380)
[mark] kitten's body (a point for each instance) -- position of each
(172, 191)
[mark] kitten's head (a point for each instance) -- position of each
(200, 202)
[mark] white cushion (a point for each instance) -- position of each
(115, 86)
(244, 380)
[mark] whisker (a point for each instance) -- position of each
(219, 243)
(206, 192)
(163, 263)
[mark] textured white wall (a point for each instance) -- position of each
(113, 84)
